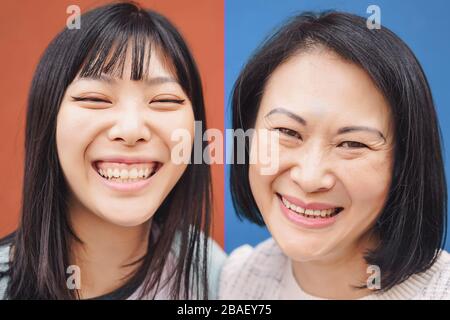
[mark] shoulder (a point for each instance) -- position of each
(4, 256)
(216, 262)
(438, 287)
(4, 266)
(253, 273)
(431, 284)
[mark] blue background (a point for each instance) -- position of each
(423, 25)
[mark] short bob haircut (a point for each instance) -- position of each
(412, 224)
(42, 241)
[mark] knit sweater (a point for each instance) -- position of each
(265, 272)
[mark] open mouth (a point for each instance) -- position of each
(310, 213)
(125, 172)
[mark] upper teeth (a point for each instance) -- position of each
(317, 213)
(111, 171)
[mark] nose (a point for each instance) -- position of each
(130, 128)
(312, 171)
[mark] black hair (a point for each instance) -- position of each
(42, 241)
(412, 225)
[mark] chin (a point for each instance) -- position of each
(300, 246)
(122, 221)
(303, 252)
(125, 217)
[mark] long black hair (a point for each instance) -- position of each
(41, 244)
(412, 224)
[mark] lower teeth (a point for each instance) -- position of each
(127, 180)
(124, 180)
(315, 217)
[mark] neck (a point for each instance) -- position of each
(105, 251)
(337, 276)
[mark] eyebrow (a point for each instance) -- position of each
(340, 130)
(148, 81)
(360, 128)
(289, 114)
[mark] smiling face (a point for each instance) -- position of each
(114, 141)
(336, 156)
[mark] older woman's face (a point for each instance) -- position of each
(335, 156)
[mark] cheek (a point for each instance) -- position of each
(175, 131)
(76, 125)
(265, 168)
(170, 125)
(368, 180)
(261, 188)
(73, 132)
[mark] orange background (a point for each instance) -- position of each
(27, 27)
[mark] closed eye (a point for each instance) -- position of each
(352, 145)
(289, 132)
(178, 101)
(91, 99)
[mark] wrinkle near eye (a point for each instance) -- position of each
(378, 144)
(267, 122)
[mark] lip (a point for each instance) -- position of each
(302, 221)
(125, 160)
(128, 187)
(311, 206)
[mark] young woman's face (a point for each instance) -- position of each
(114, 142)
(335, 156)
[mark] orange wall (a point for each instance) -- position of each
(26, 28)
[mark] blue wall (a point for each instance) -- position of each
(423, 25)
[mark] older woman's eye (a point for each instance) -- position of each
(289, 132)
(352, 145)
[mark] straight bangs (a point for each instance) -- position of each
(111, 48)
(140, 38)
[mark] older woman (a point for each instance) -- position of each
(357, 205)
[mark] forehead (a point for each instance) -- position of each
(155, 65)
(320, 83)
(134, 61)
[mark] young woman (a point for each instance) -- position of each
(106, 212)
(357, 206)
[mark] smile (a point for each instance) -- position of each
(308, 215)
(311, 213)
(126, 173)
